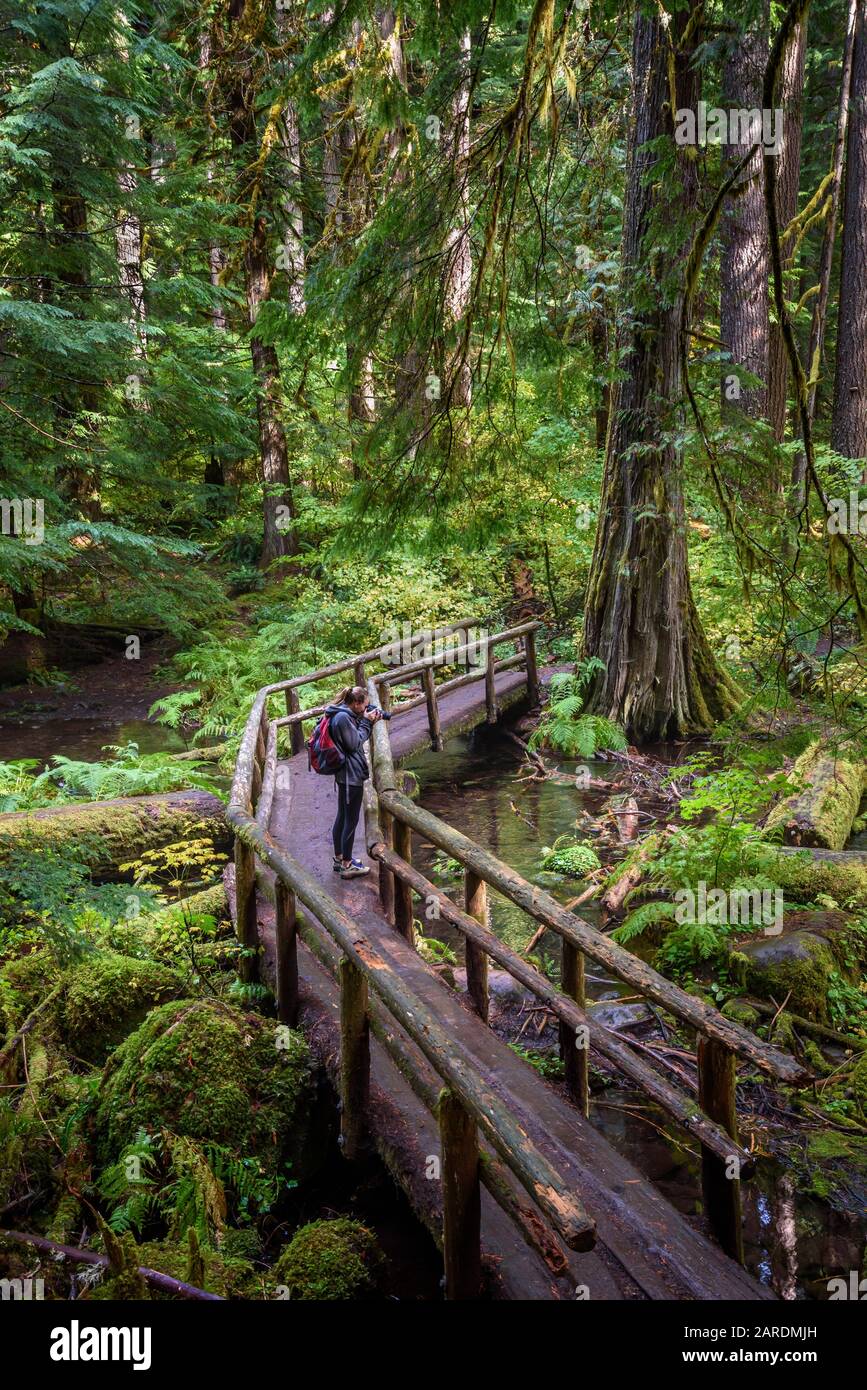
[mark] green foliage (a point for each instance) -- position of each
(330, 1261)
(565, 728)
(570, 856)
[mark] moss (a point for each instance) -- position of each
(26, 981)
(802, 975)
(741, 1012)
(216, 1271)
(805, 879)
(106, 996)
(210, 1072)
(111, 832)
(821, 814)
(330, 1260)
(859, 1083)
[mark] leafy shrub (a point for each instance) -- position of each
(570, 856)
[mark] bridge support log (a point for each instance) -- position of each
(532, 668)
(491, 711)
(354, 1059)
(720, 1179)
(287, 954)
(403, 913)
(574, 1043)
(461, 1199)
(433, 710)
(296, 730)
(476, 900)
(247, 918)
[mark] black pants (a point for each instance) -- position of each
(348, 811)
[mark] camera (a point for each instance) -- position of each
(372, 709)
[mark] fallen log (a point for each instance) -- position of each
(110, 833)
(821, 813)
(614, 897)
(803, 874)
(166, 1283)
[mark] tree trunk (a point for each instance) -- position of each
(242, 90)
(744, 261)
(661, 679)
(849, 428)
(278, 507)
(791, 97)
(820, 304)
(458, 262)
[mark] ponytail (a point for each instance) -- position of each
(350, 693)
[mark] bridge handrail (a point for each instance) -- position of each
(540, 905)
(505, 1128)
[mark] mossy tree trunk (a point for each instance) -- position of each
(661, 679)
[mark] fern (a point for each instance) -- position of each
(648, 915)
(564, 728)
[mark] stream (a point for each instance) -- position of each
(793, 1241)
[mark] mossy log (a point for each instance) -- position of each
(808, 873)
(832, 782)
(110, 833)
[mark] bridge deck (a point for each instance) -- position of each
(644, 1247)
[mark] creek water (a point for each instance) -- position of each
(794, 1242)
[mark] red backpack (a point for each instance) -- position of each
(323, 755)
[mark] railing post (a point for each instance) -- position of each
(296, 734)
(287, 954)
(490, 687)
(476, 902)
(720, 1181)
(358, 672)
(575, 1059)
(532, 668)
(433, 712)
(255, 783)
(386, 877)
(402, 891)
(354, 1058)
(384, 692)
(245, 910)
(461, 1199)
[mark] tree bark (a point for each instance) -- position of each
(820, 305)
(744, 261)
(849, 426)
(791, 97)
(661, 679)
(242, 89)
(458, 258)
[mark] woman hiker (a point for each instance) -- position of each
(350, 723)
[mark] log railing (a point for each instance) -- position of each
(372, 993)
(392, 818)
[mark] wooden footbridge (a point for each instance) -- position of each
(523, 1195)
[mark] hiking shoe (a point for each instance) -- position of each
(337, 863)
(354, 869)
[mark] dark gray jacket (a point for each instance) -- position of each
(350, 733)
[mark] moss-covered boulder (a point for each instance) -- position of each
(796, 966)
(814, 950)
(106, 996)
(330, 1260)
(739, 1011)
(24, 983)
(202, 1069)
